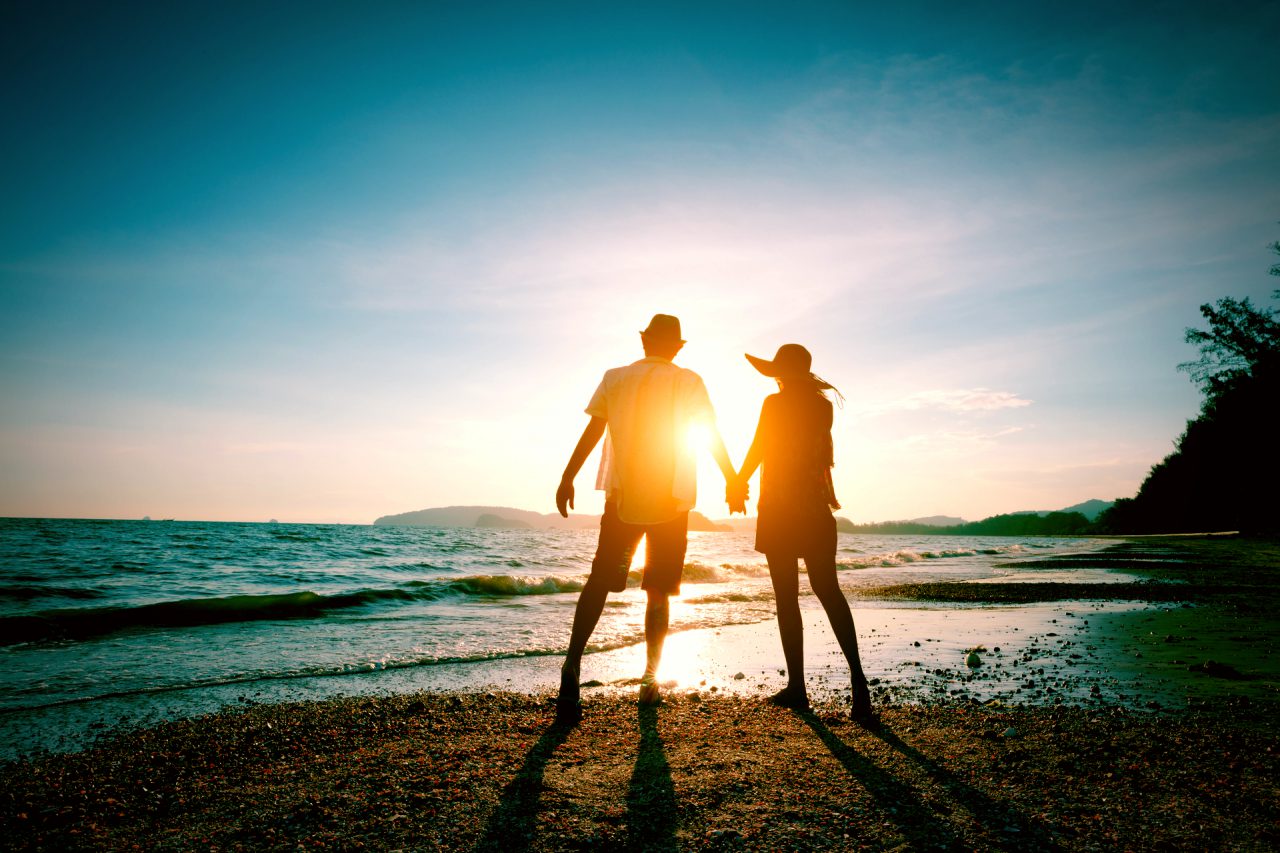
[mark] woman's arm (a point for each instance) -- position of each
(755, 453)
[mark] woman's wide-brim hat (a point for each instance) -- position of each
(792, 361)
(663, 327)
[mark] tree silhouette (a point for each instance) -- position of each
(1223, 473)
(1240, 340)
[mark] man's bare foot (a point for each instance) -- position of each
(649, 692)
(791, 697)
(569, 702)
(862, 712)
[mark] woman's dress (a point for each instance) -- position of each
(796, 494)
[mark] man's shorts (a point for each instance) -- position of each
(664, 552)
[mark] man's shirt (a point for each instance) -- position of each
(648, 466)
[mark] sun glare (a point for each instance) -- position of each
(698, 437)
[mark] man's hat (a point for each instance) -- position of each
(791, 361)
(663, 327)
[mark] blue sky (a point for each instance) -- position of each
(320, 263)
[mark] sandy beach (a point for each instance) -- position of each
(1137, 714)
(492, 772)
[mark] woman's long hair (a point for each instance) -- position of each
(816, 384)
(825, 451)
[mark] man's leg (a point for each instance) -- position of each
(657, 618)
(664, 565)
(614, 549)
(585, 617)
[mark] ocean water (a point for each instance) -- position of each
(92, 611)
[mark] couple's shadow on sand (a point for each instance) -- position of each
(920, 824)
(653, 811)
(651, 795)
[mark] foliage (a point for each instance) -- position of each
(1239, 341)
(1224, 470)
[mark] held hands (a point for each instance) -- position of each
(736, 492)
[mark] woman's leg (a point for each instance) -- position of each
(785, 574)
(822, 577)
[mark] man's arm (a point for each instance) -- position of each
(587, 443)
(721, 454)
(736, 492)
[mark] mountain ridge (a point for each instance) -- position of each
(1090, 509)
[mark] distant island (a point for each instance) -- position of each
(501, 523)
(510, 518)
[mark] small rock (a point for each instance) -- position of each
(727, 834)
(1217, 670)
(737, 676)
(973, 660)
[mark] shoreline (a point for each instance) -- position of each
(1038, 653)
(1202, 634)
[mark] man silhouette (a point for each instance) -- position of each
(648, 473)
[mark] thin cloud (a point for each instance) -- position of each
(960, 400)
(1125, 468)
(957, 440)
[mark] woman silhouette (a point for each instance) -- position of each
(793, 442)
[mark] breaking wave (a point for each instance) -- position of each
(85, 622)
(906, 556)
